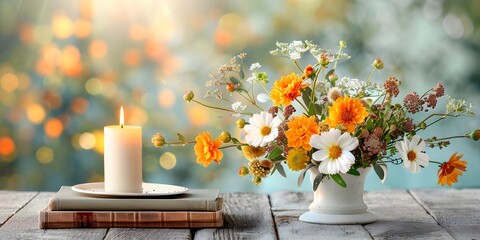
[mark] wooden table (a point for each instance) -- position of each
(412, 214)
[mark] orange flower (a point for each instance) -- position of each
(300, 129)
(285, 90)
(207, 150)
(449, 171)
(346, 112)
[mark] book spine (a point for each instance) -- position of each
(73, 204)
(70, 219)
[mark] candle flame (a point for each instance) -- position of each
(122, 121)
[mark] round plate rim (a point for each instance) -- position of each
(80, 188)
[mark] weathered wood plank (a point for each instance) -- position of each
(246, 216)
(11, 202)
(288, 206)
(400, 216)
(148, 233)
(24, 224)
(458, 211)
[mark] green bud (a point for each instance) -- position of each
(158, 140)
(343, 44)
(243, 171)
(188, 96)
(240, 123)
(333, 77)
(257, 180)
(378, 63)
(475, 135)
(422, 125)
(225, 137)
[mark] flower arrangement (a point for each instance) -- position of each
(317, 120)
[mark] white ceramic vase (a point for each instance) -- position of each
(334, 204)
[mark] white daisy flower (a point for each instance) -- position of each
(334, 151)
(412, 153)
(262, 129)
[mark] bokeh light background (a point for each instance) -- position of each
(66, 67)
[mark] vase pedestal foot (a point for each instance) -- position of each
(321, 218)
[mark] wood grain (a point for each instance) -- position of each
(11, 202)
(458, 211)
(24, 224)
(400, 216)
(247, 216)
(288, 206)
(147, 233)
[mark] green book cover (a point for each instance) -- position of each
(194, 200)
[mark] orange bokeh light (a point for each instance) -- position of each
(132, 57)
(53, 128)
(86, 8)
(7, 146)
(83, 28)
(36, 113)
(70, 63)
(166, 98)
(62, 26)
(26, 34)
(79, 105)
(97, 49)
(223, 38)
(197, 115)
(43, 68)
(137, 33)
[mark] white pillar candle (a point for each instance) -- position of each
(123, 158)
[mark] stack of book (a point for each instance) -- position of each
(198, 208)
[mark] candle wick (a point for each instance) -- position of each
(121, 125)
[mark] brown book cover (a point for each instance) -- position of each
(194, 200)
(129, 219)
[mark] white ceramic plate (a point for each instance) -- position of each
(148, 190)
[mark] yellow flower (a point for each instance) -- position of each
(287, 89)
(346, 112)
(251, 152)
(256, 169)
(207, 150)
(300, 129)
(297, 159)
(449, 171)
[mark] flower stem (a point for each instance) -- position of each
(338, 55)
(213, 107)
(298, 66)
(233, 145)
(371, 75)
(303, 105)
(452, 137)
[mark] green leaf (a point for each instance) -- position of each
(280, 169)
(181, 138)
(318, 108)
(311, 109)
(235, 80)
(302, 174)
(317, 181)
(339, 180)
(329, 73)
(276, 152)
(241, 73)
(379, 171)
(353, 172)
(307, 96)
(234, 140)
